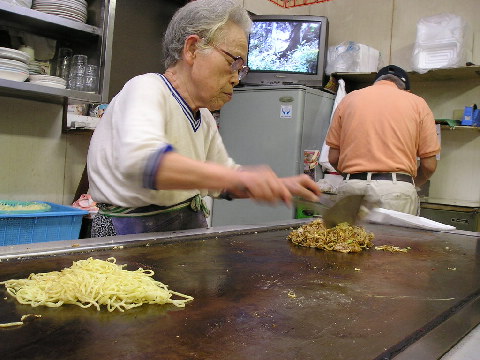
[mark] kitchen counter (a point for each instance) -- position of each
(452, 202)
(258, 296)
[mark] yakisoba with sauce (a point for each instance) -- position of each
(343, 237)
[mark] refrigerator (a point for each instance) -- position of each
(270, 125)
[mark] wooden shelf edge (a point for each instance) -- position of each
(49, 19)
(460, 73)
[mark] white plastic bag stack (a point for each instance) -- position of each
(439, 43)
(350, 56)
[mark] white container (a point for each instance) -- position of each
(439, 43)
(350, 56)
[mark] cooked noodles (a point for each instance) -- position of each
(391, 248)
(23, 320)
(343, 237)
(94, 282)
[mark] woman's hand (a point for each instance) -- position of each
(262, 184)
(302, 186)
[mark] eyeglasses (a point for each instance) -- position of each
(237, 64)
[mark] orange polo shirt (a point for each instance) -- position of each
(381, 128)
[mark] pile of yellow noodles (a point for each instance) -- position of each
(343, 237)
(94, 282)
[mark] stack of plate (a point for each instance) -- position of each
(13, 64)
(47, 80)
(75, 10)
(35, 68)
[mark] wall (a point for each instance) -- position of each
(38, 162)
(390, 27)
(137, 41)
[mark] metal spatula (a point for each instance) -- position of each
(333, 213)
(344, 210)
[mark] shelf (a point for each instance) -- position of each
(23, 18)
(42, 93)
(460, 127)
(461, 73)
(436, 203)
(93, 41)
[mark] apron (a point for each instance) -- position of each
(115, 220)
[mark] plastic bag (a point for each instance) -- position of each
(439, 43)
(343, 57)
(350, 56)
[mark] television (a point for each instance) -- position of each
(287, 49)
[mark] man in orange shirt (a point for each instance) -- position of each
(377, 134)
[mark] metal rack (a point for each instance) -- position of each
(93, 39)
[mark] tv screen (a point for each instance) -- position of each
(288, 49)
(288, 46)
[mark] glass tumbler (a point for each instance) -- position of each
(63, 61)
(78, 67)
(91, 78)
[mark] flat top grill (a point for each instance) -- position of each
(257, 296)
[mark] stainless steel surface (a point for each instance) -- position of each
(259, 127)
(257, 296)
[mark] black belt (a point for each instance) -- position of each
(380, 176)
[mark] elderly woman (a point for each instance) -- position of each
(157, 151)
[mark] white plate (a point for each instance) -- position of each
(7, 53)
(49, 78)
(50, 84)
(13, 69)
(64, 13)
(66, 16)
(13, 75)
(78, 9)
(54, 2)
(67, 7)
(13, 63)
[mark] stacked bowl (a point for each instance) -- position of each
(13, 64)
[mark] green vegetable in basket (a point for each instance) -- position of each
(22, 207)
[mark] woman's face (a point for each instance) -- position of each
(212, 76)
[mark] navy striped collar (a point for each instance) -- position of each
(194, 119)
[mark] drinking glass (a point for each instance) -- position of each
(78, 67)
(63, 61)
(91, 78)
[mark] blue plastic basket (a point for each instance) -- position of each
(59, 223)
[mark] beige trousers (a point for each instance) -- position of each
(393, 194)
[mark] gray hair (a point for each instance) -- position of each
(392, 78)
(205, 18)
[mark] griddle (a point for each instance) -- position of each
(258, 296)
